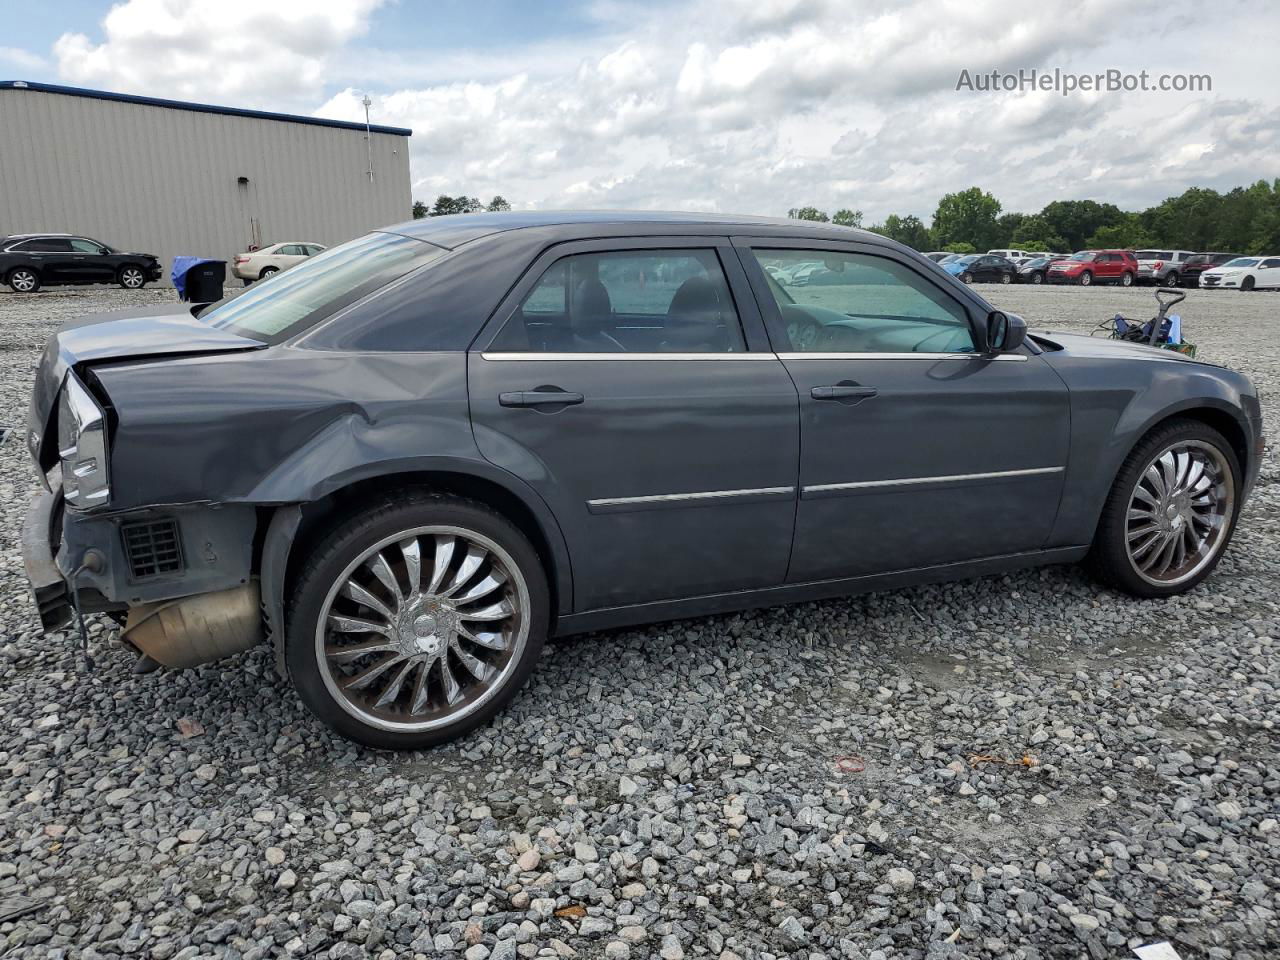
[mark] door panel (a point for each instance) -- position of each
(672, 478)
(950, 460)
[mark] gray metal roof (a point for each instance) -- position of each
(196, 107)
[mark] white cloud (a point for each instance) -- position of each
(265, 55)
(24, 59)
(743, 105)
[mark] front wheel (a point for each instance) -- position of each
(1006, 278)
(1086, 279)
(416, 621)
(1037, 277)
(132, 278)
(1170, 512)
(1247, 284)
(967, 277)
(23, 280)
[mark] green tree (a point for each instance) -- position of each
(960, 247)
(967, 217)
(845, 217)
(908, 230)
(446, 205)
(1006, 225)
(1077, 220)
(498, 204)
(1128, 234)
(1034, 233)
(808, 213)
(419, 210)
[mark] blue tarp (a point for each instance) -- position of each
(179, 272)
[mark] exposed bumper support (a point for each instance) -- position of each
(47, 583)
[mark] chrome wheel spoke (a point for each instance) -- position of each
(393, 688)
(354, 650)
(440, 562)
(421, 691)
(482, 589)
(477, 668)
(345, 624)
(369, 674)
(499, 611)
(386, 576)
(470, 564)
(360, 595)
(452, 692)
(490, 640)
(413, 566)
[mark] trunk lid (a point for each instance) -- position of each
(133, 334)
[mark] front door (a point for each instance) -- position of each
(90, 264)
(630, 384)
(916, 450)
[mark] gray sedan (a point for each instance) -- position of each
(409, 460)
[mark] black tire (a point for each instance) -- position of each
(1109, 559)
(23, 280)
(1006, 278)
(1172, 279)
(1248, 284)
(1126, 279)
(1037, 277)
(328, 562)
(131, 277)
(268, 271)
(966, 277)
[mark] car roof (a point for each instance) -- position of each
(456, 229)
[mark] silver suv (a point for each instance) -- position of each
(1163, 267)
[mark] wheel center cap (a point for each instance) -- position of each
(425, 626)
(1171, 511)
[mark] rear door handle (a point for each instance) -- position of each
(540, 398)
(843, 391)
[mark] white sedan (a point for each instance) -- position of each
(1244, 273)
(260, 264)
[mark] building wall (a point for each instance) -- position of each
(162, 180)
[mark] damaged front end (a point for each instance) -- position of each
(182, 573)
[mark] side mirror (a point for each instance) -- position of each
(1006, 332)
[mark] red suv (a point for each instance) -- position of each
(1095, 266)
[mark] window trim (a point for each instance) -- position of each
(774, 326)
(744, 301)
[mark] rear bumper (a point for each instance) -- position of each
(39, 535)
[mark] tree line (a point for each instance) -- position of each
(446, 205)
(1242, 220)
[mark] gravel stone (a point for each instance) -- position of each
(678, 784)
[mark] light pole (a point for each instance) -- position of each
(368, 141)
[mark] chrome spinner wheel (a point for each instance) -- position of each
(422, 628)
(1180, 512)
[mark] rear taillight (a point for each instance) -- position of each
(1159, 265)
(242, 259)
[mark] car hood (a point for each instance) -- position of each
(1104, 348)
(134, 334)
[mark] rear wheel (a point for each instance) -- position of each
(1170, 513)
(1086, 279)
(416, 621)
(23, 280)
(1006, 278)
(266, 272)
(967, 277)
(132, 278)
(1126, 279)
(1171, 280)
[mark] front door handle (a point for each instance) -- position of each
(843, 392)
(542, 397)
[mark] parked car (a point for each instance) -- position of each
(1095, 266)
(1163, 267)
(981, 268)
(1197, 263)
(29, 261)
(1243, 273)
(422, 452)
(1033, 271)
(1008, 254)
(260, 264)
(939, 255)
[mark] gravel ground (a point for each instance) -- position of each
(679, 790)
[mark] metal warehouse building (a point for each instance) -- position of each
(168, 177)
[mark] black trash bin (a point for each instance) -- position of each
(204, 281)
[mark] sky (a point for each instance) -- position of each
(716, 105)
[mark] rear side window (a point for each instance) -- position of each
(627, 301)
(46, 245)
(859, 303)
(304, 295)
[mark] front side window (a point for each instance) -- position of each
(627, 301)
(1271, 264)
(80, 245)
(860, 303)
(306, 294)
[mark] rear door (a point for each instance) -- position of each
(53, 257)
(916, 451)
(631, 384)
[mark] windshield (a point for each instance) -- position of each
(969, 259)
(298, 298)
(1084, 256)
(1242, 262)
